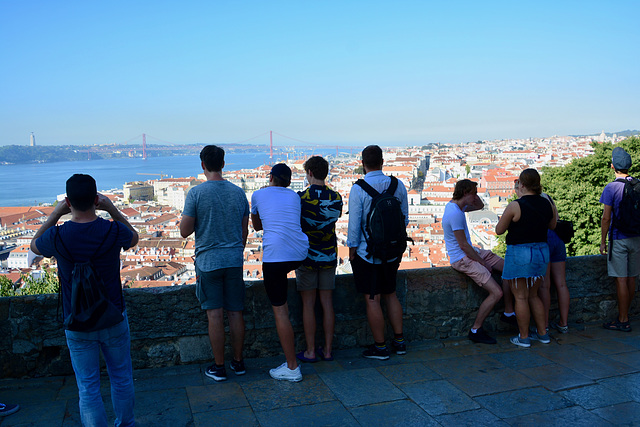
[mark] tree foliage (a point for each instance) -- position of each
(576, 189)
(48, 284)
(6, 287)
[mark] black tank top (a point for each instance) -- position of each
(535, 214)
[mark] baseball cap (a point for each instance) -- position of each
(620, 159)
(281, 171)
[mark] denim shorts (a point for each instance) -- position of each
(528, 260)
(557, 248)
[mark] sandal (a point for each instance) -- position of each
(617, 325)
(320, 353)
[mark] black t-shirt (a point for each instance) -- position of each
(535, 214)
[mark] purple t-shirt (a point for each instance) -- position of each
(612, 196)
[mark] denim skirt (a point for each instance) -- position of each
(527, 260)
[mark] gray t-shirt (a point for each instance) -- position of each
(218, 207)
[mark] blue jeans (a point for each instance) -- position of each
(115, 344)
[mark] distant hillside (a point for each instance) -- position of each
(621, 133)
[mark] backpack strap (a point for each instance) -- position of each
(367, 187)
(391, 189)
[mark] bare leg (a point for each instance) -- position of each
(375, 317)
(285, 333)
(521, 296)
(394, 309)
(309, 321)
(559, 279)
(328, 319)
(544, 293)
(236, 327)
(495, 293)
(216, 334)
(626, 287)
(537, 309)
(506, 289)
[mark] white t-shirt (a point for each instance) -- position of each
(279, 209)
(452, 220)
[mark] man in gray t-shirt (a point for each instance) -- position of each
(218, 212)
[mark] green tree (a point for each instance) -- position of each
(576, 189)
(359, 170)
(6, 287)
(48, 284)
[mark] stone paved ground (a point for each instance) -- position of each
(589, 377)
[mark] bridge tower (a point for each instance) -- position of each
(144, 146)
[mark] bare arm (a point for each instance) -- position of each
(511, 213)
(105, 204)
(61, 209)
(187, 225)
(468, 250)
(604, 228)
(245, 230)
(256, 221)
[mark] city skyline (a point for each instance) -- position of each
(330, 73)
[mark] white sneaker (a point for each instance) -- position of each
(283, 372)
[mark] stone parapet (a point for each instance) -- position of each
(169, 328)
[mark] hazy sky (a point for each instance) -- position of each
(327, 72)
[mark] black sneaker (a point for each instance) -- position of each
(398, 348)
(237, 367)
(481, 337)
(374, 352)
(218, 373)
(509, 319)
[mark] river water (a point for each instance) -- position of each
(31, 184)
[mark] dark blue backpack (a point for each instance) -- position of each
(627, 219)
(385, 230)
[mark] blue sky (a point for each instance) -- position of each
(327, 72)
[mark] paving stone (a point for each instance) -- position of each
(627, 414)
(626, 385)
(517, 360)
(567, 417)
(632, 358)
(239, 417)
(606, 346)
(462, 366)
(479, 417)
(170, 406)
(160, 379)
(39, 413)
(431, 354)
(522, 402)
(493, 380)
(585, 362)
(439, 397)
(398, 413)
(361, 387)
(632, 339)
(594, 396)
(556, 377)
(266, 395)
(569, 338)
(321, 414)
(226, 395)
(408, 373)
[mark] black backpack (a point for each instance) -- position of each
(385, 230)
(91, 308)
(628, 218)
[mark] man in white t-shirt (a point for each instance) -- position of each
(276, 210)
(474, 262)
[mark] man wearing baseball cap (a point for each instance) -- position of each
(624, 245)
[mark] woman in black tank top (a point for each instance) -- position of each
(527, 219)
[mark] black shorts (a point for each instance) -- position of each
(275, 280)
(374, 279)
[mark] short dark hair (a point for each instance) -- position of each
(372, 157)
(530, 178)
(318, 166)
(213, 158)
(81, 191)
(463, 187)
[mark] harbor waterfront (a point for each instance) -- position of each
(36, 183)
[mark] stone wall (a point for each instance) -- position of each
(168, 327)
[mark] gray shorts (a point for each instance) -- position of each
(222, 288)
(625, 258)
(316, 278)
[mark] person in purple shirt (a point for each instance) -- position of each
(624, 250)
